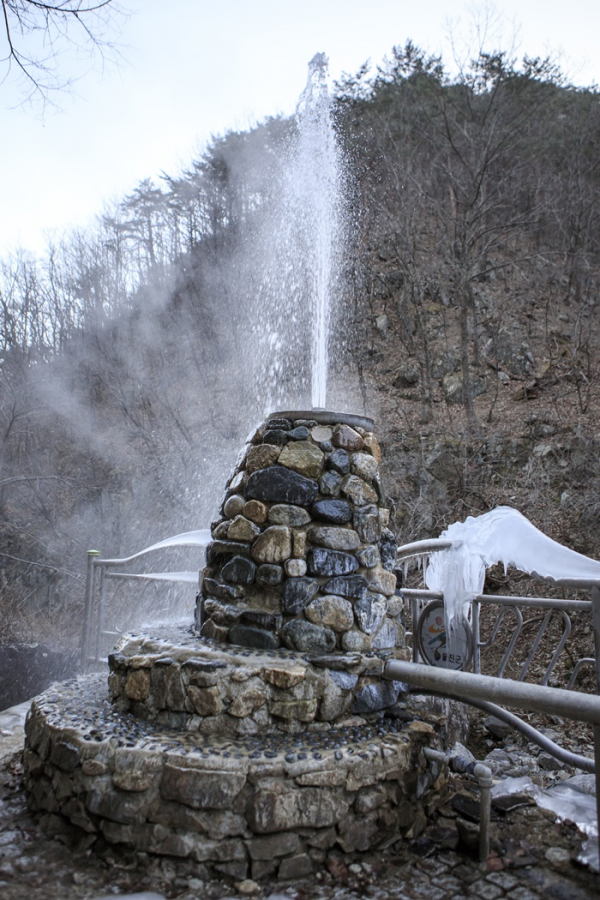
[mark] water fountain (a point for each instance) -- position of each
(264, 736)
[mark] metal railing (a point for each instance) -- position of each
(493, 693)
(97, 633)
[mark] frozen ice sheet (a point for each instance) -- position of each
(504, 536)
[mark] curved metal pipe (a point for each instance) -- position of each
(532, 734)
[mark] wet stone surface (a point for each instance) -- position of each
(304, 505)
(39, 863)
(201, 798)
(531, 855)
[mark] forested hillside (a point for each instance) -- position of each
(135, 357)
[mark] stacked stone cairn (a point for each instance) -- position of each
(302, 555)
(265, 737)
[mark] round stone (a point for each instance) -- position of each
(284, 514)
(255, 511)
(233, 506)
(269, 574)
(295, 568)
(356, 641)
(321, 433)
(300, 433)
(239, 570)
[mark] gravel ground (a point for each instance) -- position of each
(532, 856)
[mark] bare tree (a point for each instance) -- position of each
(34, 34)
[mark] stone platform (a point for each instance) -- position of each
(180, 680)
(267, 804)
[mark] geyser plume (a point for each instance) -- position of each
(315, 177)
(293, 260)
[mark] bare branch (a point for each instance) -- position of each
(35, 34)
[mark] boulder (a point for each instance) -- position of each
(303, 457)
(280, 485)
(274, 545)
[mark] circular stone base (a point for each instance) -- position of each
(254, 805)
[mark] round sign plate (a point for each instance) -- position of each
(433, 642)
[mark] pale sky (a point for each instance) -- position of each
(193, 68)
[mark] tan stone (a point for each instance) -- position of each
(321, 433)
(287, 677)
(246, 703)
(302, 710)
(295, 568)
(201, 789)
(261, 456)
(421, 727)
(303, 457)
(274, 545)
(334, 537)
(358, 490)
(137, 685)
(335, 612)
(132, 780)
(347, 438)
(242, 529)
(381, 581)
(214, 632)
(94, 767)
(238, 481)
(256, 511)
(363, 465)
(206, 701)
(284, 810)
(356, 641)
(372, 444)
(299, 542)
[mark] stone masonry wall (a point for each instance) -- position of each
(231, 808)
(301, 555)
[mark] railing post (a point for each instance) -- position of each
(88, 610)
(476, 639)
(596, 628)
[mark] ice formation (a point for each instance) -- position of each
(199, 538)
(500, 536)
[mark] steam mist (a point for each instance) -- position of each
(151, 349)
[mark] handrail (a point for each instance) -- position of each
(94, 610)
(532, 697)
(199, 538)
